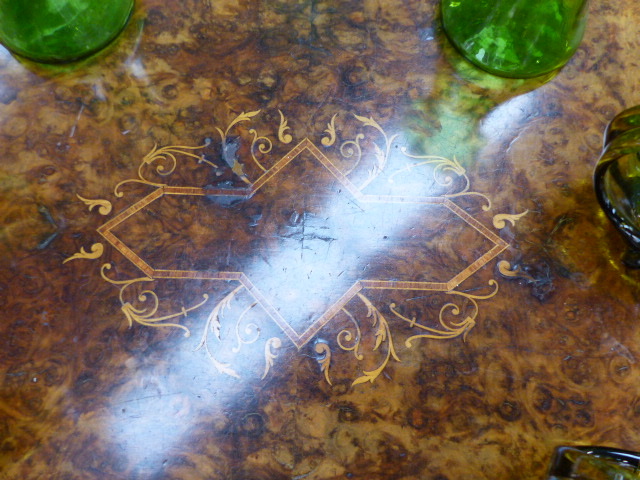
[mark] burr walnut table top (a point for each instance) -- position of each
(307, 240)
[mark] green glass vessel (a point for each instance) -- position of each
(53, 31)
(617, 179)
(515, 38)
(593, 463)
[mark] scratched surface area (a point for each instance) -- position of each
(287, 240)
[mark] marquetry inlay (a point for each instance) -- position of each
(307, 238)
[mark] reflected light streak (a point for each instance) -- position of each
(509, 116)
(148, 421)
(332, 242)
(153, 424)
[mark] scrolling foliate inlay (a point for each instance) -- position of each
(97, 249)
(337, 304)
(104, 206)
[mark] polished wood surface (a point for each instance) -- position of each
(307, 240)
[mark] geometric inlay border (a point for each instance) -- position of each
(148, 315)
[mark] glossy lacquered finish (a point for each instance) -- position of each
(307, 240)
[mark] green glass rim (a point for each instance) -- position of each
(562, 464)
(61, 58)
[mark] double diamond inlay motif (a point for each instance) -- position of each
(310, 254)
(313, 235)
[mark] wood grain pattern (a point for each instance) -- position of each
(88, 391)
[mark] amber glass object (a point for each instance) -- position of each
(53, 31)
(515, 38)
(617, 179)
(593, 463)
